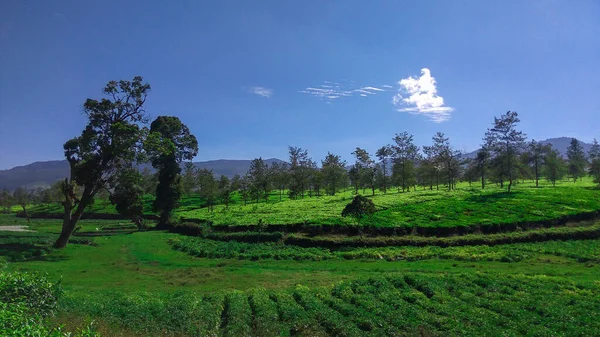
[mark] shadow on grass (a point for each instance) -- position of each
(493, 197)
(16, 252)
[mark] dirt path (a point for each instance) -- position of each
(14, 229)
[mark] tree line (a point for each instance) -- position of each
(103, 160)
(504, 158)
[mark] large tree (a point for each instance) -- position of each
(577, 159)
(506, 143)
(333, 170)
(168, 144)
(110, 141)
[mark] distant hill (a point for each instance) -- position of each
(43, 174)
(560, 144)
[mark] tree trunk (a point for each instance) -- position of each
(70, 220)
(25, 211)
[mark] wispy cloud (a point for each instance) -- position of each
(333, 90)
(261, 91)
(419, 96)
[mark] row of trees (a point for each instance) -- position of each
(103, 158)
(505, 157)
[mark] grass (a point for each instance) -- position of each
(135, 283)
(464, 207)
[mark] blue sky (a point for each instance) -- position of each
(251, 77)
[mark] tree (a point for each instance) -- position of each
(22, 197)
(482, 162)
(127, 195)
(149, 181)
(300, 166)
(555, 167)
(366, 168)
(280, 176)
(110, 141)
(6, 201)
(383, 154)
(358, 208)
(245, 188)
(168, 144)
(259, 179)
(535, 156)
(594, 157)
(334, 173)
(208, 187)
(189, 180)
(446, 158)
(225, 190)
(506, 143)
(576, 159)
(354, 176)
(404, 154)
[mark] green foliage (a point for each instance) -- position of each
(577, 159)
(127, 195)
(452, 304)
(169, 143)
(359, 208)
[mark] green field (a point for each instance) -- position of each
(537, 280)
(464, 207)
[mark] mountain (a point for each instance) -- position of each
(560, 144)
(43, 174)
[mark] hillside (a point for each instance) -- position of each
(43, 174)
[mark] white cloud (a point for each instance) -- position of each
(419, 96)
(333, 90)
(261, 91)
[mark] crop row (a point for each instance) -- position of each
(460, 304)
(581, 250)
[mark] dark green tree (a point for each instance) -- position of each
(189, 181)
(127, 195)
(300, 168)
(168, 144)
(535, 155)
(577, 160)
(481, 163)
(555, 167)
(594, 157)
(259, 179)
(208, 187)
(366, 168)
(404, 155)
(225, 190)
(279, 173)
(334, 173)
(446, 158)
(6, 201)
(383, 154)
(506, 143)
(358, 208)
(110, 141)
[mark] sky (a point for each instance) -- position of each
(252, 77)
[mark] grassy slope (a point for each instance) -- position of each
(462, 207)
